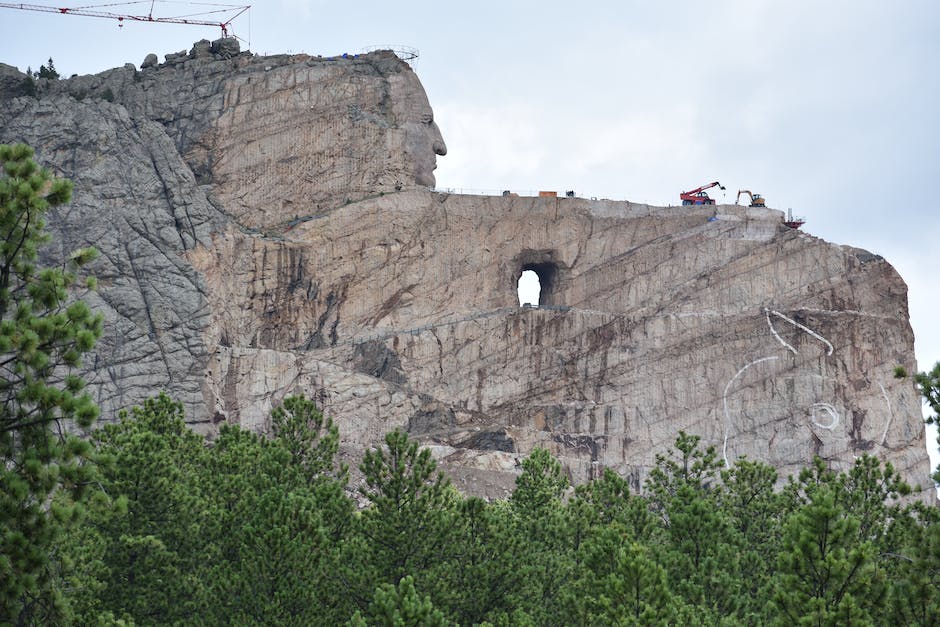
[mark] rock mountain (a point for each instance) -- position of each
(268, 226)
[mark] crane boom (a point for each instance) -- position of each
(703, 188)
(95, 11)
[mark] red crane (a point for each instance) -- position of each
(698, 196)
(226, 13)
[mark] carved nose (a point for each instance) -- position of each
(437, 141)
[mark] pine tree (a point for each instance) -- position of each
(826, 576)
(400, 606)
(928, 383)
(540, 486)
(701, 547)
(547, 537)
(269, 551)
(915, 594)
(44, 476)
(311, 439)
(755, 512)
(603, 517)
(478, 571)
(405, 529)
(607, 501)
(48, 71)
(635, 592)
(150, 544)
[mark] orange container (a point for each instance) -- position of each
(548, 194)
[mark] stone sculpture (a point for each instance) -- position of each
(268, 226)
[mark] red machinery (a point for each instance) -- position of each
(793, 223)
(698, 196)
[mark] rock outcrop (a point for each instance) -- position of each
(268, 227)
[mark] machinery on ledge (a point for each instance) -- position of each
(698, 196)
(793, 223)
(756, 199)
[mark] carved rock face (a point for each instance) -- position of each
(300, 139)
(422, 138)
(265, 230)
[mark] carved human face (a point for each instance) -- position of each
(422, 137)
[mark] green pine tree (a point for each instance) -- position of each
(44, 474)
(311, 438)
(405, 529)
(755, 511)
(915, 594)
(826, 576)
(540, 486)
(635, 592)
(271, 535)
(400, 606)
(701, 547)
(48, 71)
(150, 545)
(477, 571)
(547, 538)
(928, 383)
(602, 517)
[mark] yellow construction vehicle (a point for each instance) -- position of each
(756, 199)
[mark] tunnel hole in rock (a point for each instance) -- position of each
(537, 280)
(528, 288)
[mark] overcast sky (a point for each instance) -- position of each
(826, 107)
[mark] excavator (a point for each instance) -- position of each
(756, 199)
(698, 196)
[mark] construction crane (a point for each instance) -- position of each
(226, 13)
(698, 196)
(756, 199)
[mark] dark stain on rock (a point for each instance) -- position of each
(377, 360)
(334, 300)
(489, 441)
(391, 303)
(580, 443)
(858, 442)
(858, 420)
(432, 417)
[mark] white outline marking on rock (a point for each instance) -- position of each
(799, 326)
(884, 436)
(829, 409)
(776, 335)
(724, 399)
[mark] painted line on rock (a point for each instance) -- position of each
(724, 398)
(829, 409)
(884, 393)
(800, 326)
(775, 334)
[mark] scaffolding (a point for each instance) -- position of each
(406, 53)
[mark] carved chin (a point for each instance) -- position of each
(425, 178)
(424, 174)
